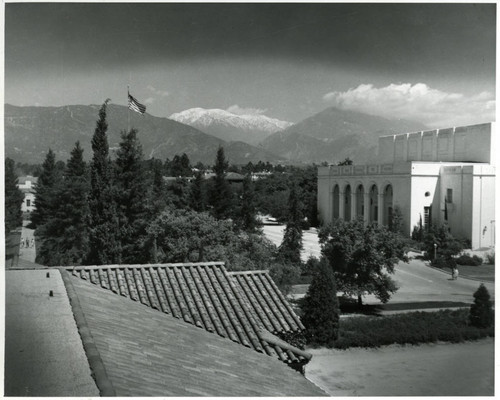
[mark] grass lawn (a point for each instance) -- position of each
(484, 272)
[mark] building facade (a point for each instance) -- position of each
(431, 177)
(27, 186)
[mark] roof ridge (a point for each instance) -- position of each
(123, 266)
(249, 272)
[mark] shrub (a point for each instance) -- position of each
(409, 328)
(490, 257)
(465, 259)
(320, 307)
(444, 262)
(481, 312)
(447, 245)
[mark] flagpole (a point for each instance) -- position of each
(128, 108)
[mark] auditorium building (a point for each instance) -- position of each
(431, 177)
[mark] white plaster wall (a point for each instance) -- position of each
(484, 208)
(459, 180)
(31, 197)
(474, 143)
(420, 185)
(478, 140)
(402, 199)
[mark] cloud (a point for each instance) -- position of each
(236, 109)
(417, 102)
(158, 92)
(149, 100)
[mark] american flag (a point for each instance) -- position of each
(134, 105)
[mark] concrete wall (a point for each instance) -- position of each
(458, 181)
(424, 192)
(472, 143)
(483, 211)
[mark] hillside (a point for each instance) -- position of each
(333, 134)
(31, 131)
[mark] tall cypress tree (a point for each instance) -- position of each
(221, 196)
(247, 213)
(157, 192)
(291, 245)
(197, 194)
(45, 191)
(131, 185)
(104, 245)
(64, 238)
(13, 198)
(320, 306)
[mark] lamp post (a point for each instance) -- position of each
(435, 250)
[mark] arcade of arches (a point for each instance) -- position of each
(372, 203)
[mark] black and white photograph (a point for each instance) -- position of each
(244, 199)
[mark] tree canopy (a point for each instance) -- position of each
(320, 306)
(13, 198)
(292, 239)
(130, 187)
(63, 238)
(45, 190)
(189, 236)
(362, 257)
(104, 244)
(221, 195)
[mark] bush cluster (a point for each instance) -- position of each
(410, 328)
(490, 257)
(444, 262)
(481, 312)
(465, 259)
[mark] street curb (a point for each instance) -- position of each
(103, 383)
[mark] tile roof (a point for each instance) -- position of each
(44, 355)
(240, 306)
(147, 353)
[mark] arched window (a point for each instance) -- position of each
(388, 206)
(373, 217)
(347, 202)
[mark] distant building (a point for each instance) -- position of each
(433, 177)
(27, 186)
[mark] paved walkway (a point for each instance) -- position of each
(27, 249)
(44, 354)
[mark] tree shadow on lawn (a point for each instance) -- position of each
(351, 307)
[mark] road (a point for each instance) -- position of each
(417, 281)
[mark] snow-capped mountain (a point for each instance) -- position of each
(231, 127)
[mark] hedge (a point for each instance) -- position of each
(409, 328)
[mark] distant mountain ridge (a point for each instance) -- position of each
(231, 127)
(333, 134)
(31, 131)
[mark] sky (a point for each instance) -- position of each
(432, 63)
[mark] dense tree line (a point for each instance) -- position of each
(13, 198)
(124, 210)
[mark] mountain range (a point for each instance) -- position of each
(225, 125)
(31, 131)
(330, 135)
(333, 135)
